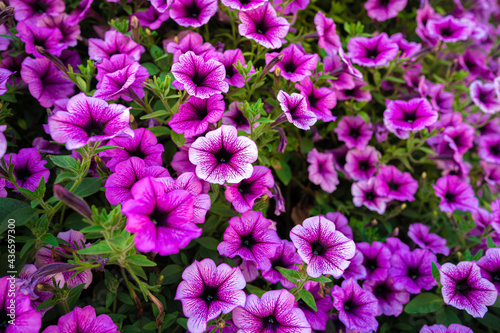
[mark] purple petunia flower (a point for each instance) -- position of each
(324, 249)
(152, 17)
(453, 328)
(324, 304)
(413, 115)
(357, 93)
(4, 78)
(208, 290)
(396, 185)
(364, 193)
(222, 156)
(192, 13)
(362, 165)
(408, 49)
(250, 237)
(262, 25)
(3, 140)
(89, 119)
(33, 36)
(382, 10)
(83, 320)
(341, 223)
(489, 148)
(319, 100)
(33, 10)
(143, 145)
(419, 233)
(376, 259)
(455, 194)
(296, 64)
(243, 5)
(322, 171)
(286, 256)
(161, 5)
(356, 270)
(484, 96)
(465, 289)
(243, 194)
(294, 107)
(194, 116)
(354, 131)
(272, 313)
(490, 266)
(229, 59)
(328, 38)
(373, 51)
(69, 31)
(28, 168)
(413, 270)
(235, 117)
(114, 43)
(191, 41)
(357, 307)
(200, 78)
(80, 12)
(390, 298)
(450, 29)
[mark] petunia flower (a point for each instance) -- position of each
(396, 185)
(490, 266)
(453, 328)
(357, 93)
(33, 36)
(407, 49)
(319, 100)
(354, 131)
(322, 171)
(376, 259)
(364, 193)
(356, 270)
(243, 5)
(450, 29)
(243, 194)
(208, 290)
(413, 115)
(341, 223)
(3, 140)
(250, 237)
(361, 165)
(390, 298)
(489, 148)
(286, 256)
(114, 43)
(317, 319)
(419, 233)
(484, 96)
(4, 77)
(262, 25)
(80, 12)
(69, 31)
(357, 307)
(191, 41)
(395, 244)
(294, 107)
(200, 78)
(192, 13)
(33, 10)
(272, 313)
(222, 156)
(372, 51)
(328, 38)
(161, 5)
(324, 249)
(235, 117)
(465, 289)
(28, 168)
(455, 194)
(83, 320)
(229, 59)
(89, 119)
(296, 63)
(193, 117)
(381, 10)
(413, 270)
(152, 17)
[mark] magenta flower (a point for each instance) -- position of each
(450, 29)
(200, 78)
(455, 194)
(80, 12)
(373, 51)
(89, 119)
(381, 10)
(191, 41)
(3, 140)
(356, 270)
(376, 259)
(243, 5)
(28, 168)
(83, 320)
(413, 270)
(35, 9)
(364, 193)
(229, 59)
(152, 17)
(296, 64)
(484, 96)
(161, 5)
(114, 43)
(143, 145)
(262, 25)
(395, 244)
(465, 289)
(194, 116)
(357, 307)
(396, 185)
(250, 237)
(161, 221)
(235, 117)
(361, 165)
(407, 49)
(413, 115)
(328, 38)
(354, 131)
(319, 100)
(274, 312)
(341, 223)
(390, 298)
(453, 328)
(294, 107)
(419, 233)
(357, 93)
(322, 171)
(243, 194)
(192, 13)
(208, 290)
(69, 31)
(317, 319)
(33, 36)
(286, 256)
(490, 266)
(4, 78)
(222, 156)
(324, 249)
(489, 148)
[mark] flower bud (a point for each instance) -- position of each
(55, 60)
(271, 64)
(6, 13)
(73, 201)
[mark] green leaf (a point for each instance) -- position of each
(308, 298)
(65, 162)
(283, 171)
(40, 190)
(490, 320)
(152, 69)
(490, 242)
(424, 303)
(395, 79)
(104, 148)
(435, 272)
(155, 114)
(289, 274)
(222, 209)
(47, 304)
(160, 130)
(255, 290)
(96, 248)
(265, 120)
(178, 139)
(63, 176)
(208, 242)
(87, 187)
(140, 260)
(92, 228)
(49, 239)
(321, 279)
(74, 295)
(171, 274)
(447, 316)
(182, 322)
(16, 210)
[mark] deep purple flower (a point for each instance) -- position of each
(208, 290)
(364, 193)
(458, 138)
(354, 131)
(291, 7)
(87, 120)
(4, 77)
(382, 10)
(484, 96)
(262, 25)
(357, 307)
(235, 117)
(200, 78)
(455, 194)
(317, 319)
(83, 320)
(419, 233)
(152, 17)
(376, 259)
(69, 31)
(490, 266)
(114, 43)
(390, 298)
(272, 313)
(465, 289)
(80, 12)
(413, 270)
(395, 244)
(45, 81)
(489, 148)
(328, 38)
(396, 185)
(450, 29)
(296, 64)
(341, 223)
(35, 9)
(243, 194)
(373, 51)
(322, 171)
(361, 165)
(453, 328)
(229, 59)
(28, 168)
(357, 93)
(191, 41)
(192, 13)
(161, 5)
(294, 107)
(319, 100)
(356, 270)
(334, 64)
(194, 116)
(413, 115)
(324, 249)
(286, 256)
(48, 38)
(407, 49)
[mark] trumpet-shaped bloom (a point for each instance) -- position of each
(453, 328)
(322, 171)
(152, 17)
(354, 131)
(382, 10)
(208, 290)
(191, 41)
(413, 270)
(192, 13)
(286, 256)
(364, 193)
(450, 29)
(413, 115)
(361, 165)
(390, 298)
(489, 148)
(28, 168)
(356, 270)
(455, 194)
(376, 259)
(243, 5)
(490, 266)
(419, 233)
(341, 223)
(83, 320)
(229, 59)
(328, 38)
(235, 117)
(68, 31)
(485, 97)
(324, 249)
(296, 64)
(321, 100)
(294, 107)
(372, 51)
(114, 43)
(396, 185)
(33, 35)
(33, 10)
(4, 78)
(161, 5)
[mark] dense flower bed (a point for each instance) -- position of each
(249, 166)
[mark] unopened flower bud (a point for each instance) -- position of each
(424, 175)
(283, 140)
(403, 206)
(73, 201)
(102, 169)
(55, 60)
(134, 26)
(271, 64)
(6, 13)
(277, 78)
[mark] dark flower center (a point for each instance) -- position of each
(349, 92)
(450, 197)
(410, 117)
(22, 173)
(381, 291)
(312, 100)
(289, 67)
(223, 156)
(483, 96)
(318, 248)
(371, 264)
(447, 31)
(244, 187)
(495, 150)
(137, 153)
(93, 128)
(393, 186)
(370, 196)
(158, 216)
(270, 323)
(209, 294)
(495, 276)
(4, 320)
(413, 273)
(372, 53)
(247, 241)
(349, 306)
(229, 71)
(384, 3)
(193, 10)
(245, 2)
(462, 286)
(354, 132)
(201, 112)
(302, 304)
(364, 165)
(261, 27)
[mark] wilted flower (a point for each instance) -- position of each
(413, 270)
(192, 13)
(83, 320)
(294, 107)
(419, 233)
(373, 51)
(455, 194)
(28, 168)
